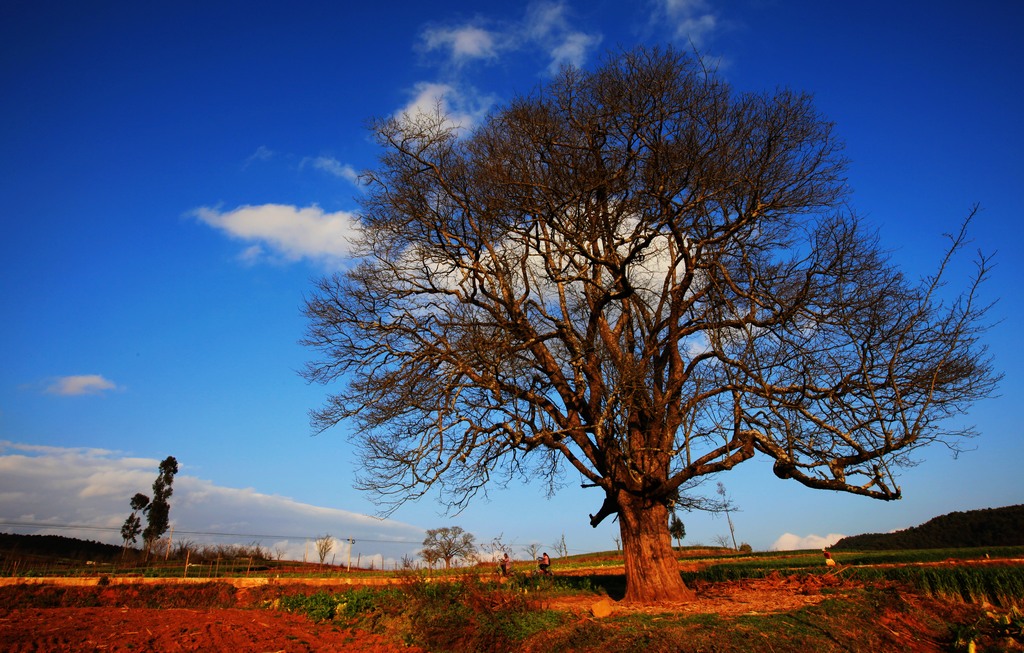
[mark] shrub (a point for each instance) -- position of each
(320, 606)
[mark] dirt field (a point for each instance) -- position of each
(80, 629)
(122, 617)
(77, 630)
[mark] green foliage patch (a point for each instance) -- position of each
(1001, 585)
(458, 615)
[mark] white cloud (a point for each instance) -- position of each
(464, 43)
(288, 232)
(791, 542)
(54, 487)
(462, 110)
(572, 50)
(334, 167)
(545, 27)
(692, 21)
(543, 19)
(80, 384)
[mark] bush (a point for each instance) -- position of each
(320, 606)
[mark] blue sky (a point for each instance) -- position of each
(173, 175)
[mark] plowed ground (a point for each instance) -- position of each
(217, 617)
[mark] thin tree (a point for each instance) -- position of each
(560, 547)
(132, 526)
(727, 506)
(642, 276)
(533, 550)
(676, 529)
(324, 544)
(279, 551)
(448, 543)
(158, 512)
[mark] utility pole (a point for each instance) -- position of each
(170, 538)
(351, 542)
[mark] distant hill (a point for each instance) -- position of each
(56, 546)
(986, 527)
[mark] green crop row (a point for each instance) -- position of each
(1001, 585)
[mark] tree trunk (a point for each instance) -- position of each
(652, 571)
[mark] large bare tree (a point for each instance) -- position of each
(448, 543)
(637, 275)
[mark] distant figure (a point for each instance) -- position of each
(829, 562)
(543, 563)
(506, 562)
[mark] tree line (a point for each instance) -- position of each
(985, 527)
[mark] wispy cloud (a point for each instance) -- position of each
(54, 487)
(545, 27)
(333, 167)
(262, 154)
(80, 384)
(791, 542)
(279, 231)
(464, 43)
(691, 21)
(548, 25)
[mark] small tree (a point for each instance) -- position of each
(133, 524)
(430, 556)
(534, 551)
(560, 547)
(497, 546)
(677, 530)
(130, 530)
(324, 544)
(448, 543)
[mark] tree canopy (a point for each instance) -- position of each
(448, 543)
(636, 275)
(158, 512)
